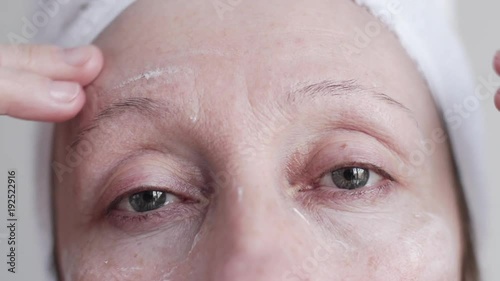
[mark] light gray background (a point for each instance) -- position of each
(478, 22)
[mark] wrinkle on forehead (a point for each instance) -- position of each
(150, 84)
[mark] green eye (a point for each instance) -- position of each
(350, 178)
(149, 200)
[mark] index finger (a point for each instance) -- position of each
(80, 65)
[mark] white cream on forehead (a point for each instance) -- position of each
(154, 73)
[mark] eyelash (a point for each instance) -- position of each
(173, 211)
(340, 196)
(188, 207)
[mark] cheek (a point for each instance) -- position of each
(102, 254)
(413, 247)
(425, 250)
(122, 262)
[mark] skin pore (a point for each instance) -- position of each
(245, 126)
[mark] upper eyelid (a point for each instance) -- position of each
(320, 145)
(380, 136)
(110, 178)
(328, 155)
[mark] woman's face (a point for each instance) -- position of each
(255, 140)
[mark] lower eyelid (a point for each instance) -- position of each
(334, 198)
(163, 217)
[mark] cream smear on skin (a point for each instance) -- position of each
(149, 74)
(154, 73)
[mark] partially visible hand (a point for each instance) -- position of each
(45, 83)
(496, 64)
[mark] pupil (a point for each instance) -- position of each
(147, 200)
(350, 174)
(350, 178)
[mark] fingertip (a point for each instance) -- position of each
(54, 110)
(496, 62)
(61, 112)
(92, 67)
(497, 100)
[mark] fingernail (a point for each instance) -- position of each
(76, 56)
(64, 91)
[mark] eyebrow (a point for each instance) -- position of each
(143, 106)
(150, 108)
(340, 88)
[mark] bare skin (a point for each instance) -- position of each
(239, 128)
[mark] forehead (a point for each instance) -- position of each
(255, 35)
(256, 51)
